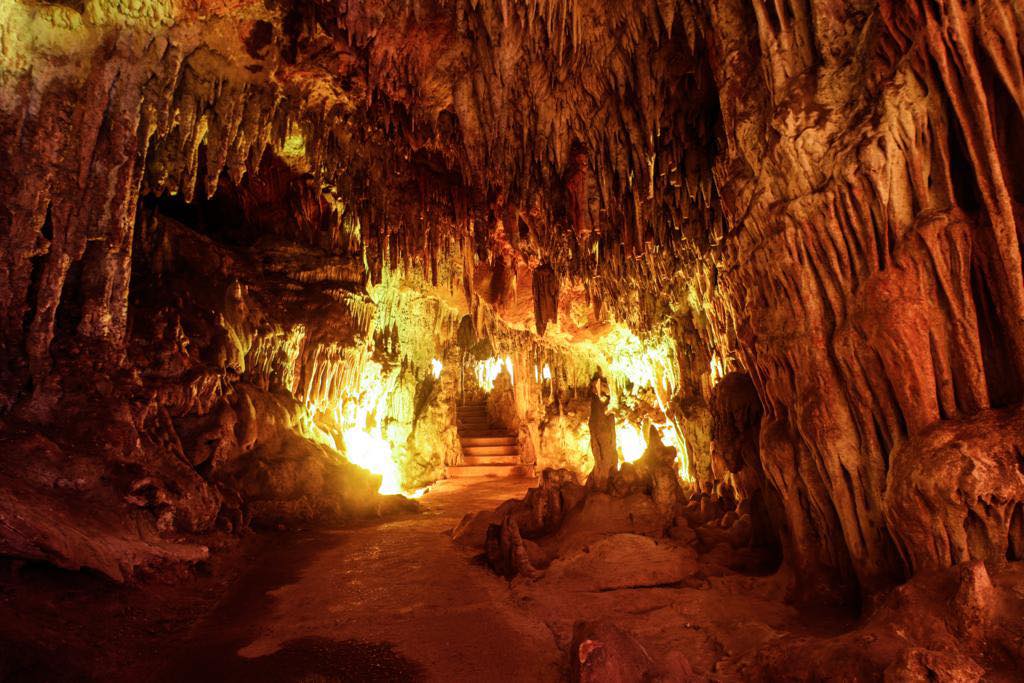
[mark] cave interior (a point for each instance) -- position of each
(647, 340)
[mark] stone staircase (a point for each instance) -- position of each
(487, 450)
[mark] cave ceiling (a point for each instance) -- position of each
(578, 134)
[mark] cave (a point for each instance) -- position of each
(483, 340)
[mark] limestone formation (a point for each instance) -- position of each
(253, 255)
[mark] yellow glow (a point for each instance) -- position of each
(651, 363)
(369, 450)
(294, 145)
(358, 415)
(488, 370)
(671, 437)
(717, 369)
(630, 441)
(435, 368)
(684, 459)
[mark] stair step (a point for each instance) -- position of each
(482, 434)
(459, 471)
(490, 459)
(491, 450)
(501, 440)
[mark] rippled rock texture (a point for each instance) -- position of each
(824, 197)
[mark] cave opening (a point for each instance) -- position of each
(655, 340)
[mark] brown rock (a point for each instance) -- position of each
(603, 652)
(623, 561)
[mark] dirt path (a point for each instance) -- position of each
(394, 600)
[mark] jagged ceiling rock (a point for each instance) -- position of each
(826, 195)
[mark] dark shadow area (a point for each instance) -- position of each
(306, 659)
(211, 651)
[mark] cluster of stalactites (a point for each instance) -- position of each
(582, 132)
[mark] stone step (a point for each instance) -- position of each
(501, 440)
(483, 425)
(460, 471)
(483, 433)
(491, 450)
(490, 459)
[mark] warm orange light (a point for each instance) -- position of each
(367, 449)
(717, 369)
(488, 370)
(630, 441)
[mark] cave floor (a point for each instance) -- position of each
(397, 600)
(392, 600)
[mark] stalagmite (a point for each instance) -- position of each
(602, 435)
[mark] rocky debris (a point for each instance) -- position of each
(600, 515)
(471, 531)
(915, 632)
(53, 508)
(656, 474)
(918, 664)
(622, 561)
(603, 652)
(508, 553)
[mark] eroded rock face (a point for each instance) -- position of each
(825, 196)
(956, 492)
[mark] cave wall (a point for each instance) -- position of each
(200, 432)
(871, 283)
(823, 195)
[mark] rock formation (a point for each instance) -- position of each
(237, 237)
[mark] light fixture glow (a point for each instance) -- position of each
(369, 450)
(436, 367)
(630, 441)
(488, 370)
